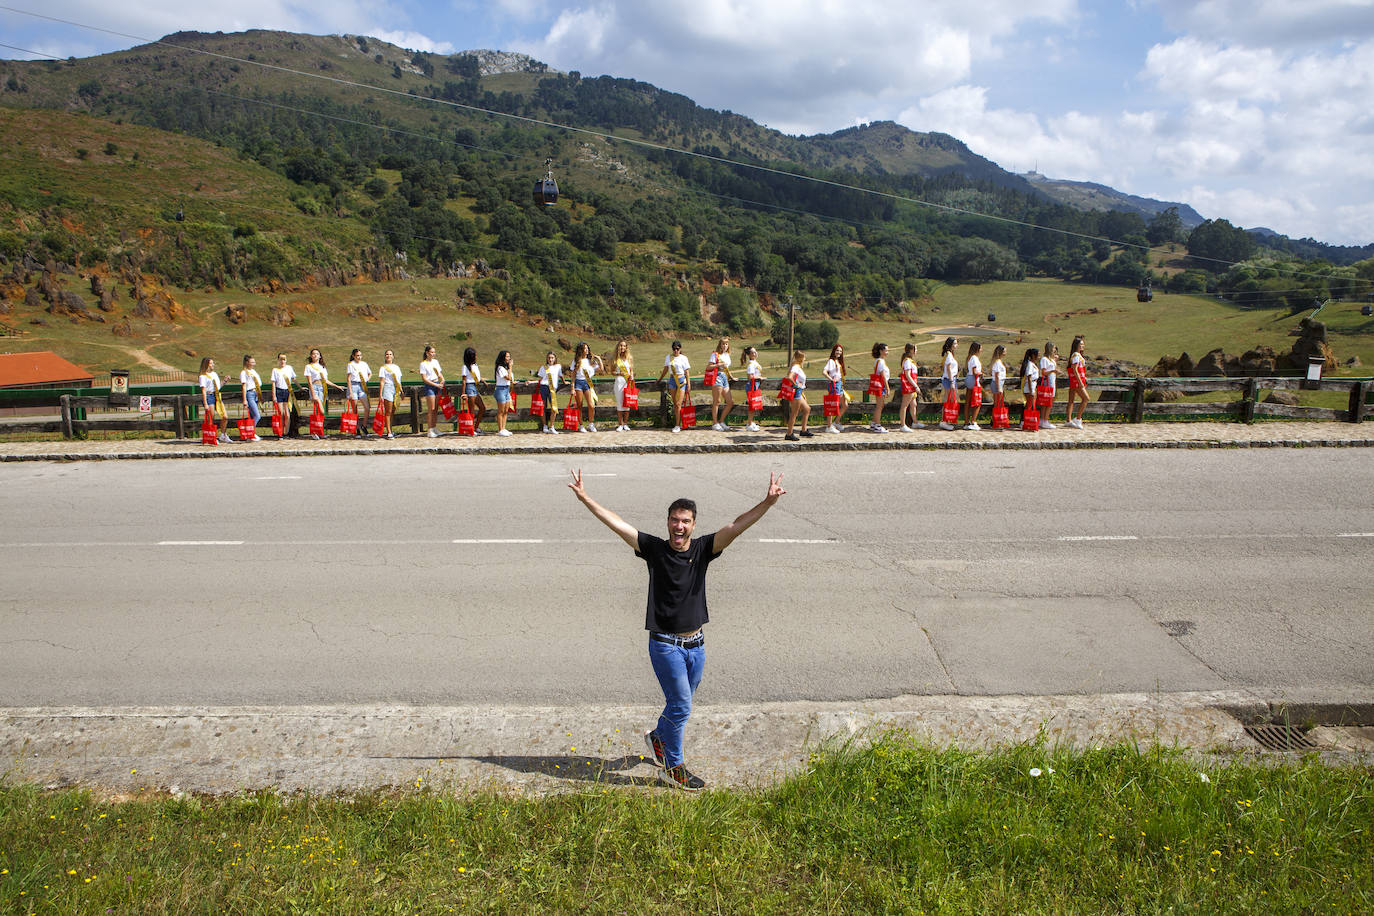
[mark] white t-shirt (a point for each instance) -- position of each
(679, 366)
(909, 370)
(1032, 375)
(999, 376)
(503, 377)
(431, 372)
(359, 372)
(584, 369)
(975, 372)
(250, 379)
(753, 369)
(283, 376)
(550, 375)
(798, 377)
(722, 361)
(951, 371)
(833, 370)
(1078, 366)
(471, 374)
(391, 380)
(880, 368)
(316, 374)
(1048, 369)
(209, 384)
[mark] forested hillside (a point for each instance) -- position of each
(376, 161)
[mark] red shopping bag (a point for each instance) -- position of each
(754, 399)
(1030, 418)
(247, 429)
(209, 432)
(876, 385)
(572, 419)
(379, 422)
(951, 414)
(348, 423)
(1044, 396)
(688, 417)
(908, 386)
(536, 404)
(709, 378)
(975, 398)
(631, 397)
(1000, 419)
(787, 390)
(514, 400)
(834, 403)
(278, 420)
(317, 424)
(446, 405)
(466, 426)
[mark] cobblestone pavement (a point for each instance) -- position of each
(1094, 435)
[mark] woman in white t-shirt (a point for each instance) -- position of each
(389, 377)
(949, 377)
(998, 373)
(282, 400)
(797, 376)
(753, 372)
(549, 376)
(911, 390)
(834, 376)
(721, 396)
(679, 372)
(1030, 375)
(1049, 369)
(624, 375)
(432, 380)
(210, 400)
(359, 374)
(472, 380)
(973, 386)
(882, 376)
(1078, 382)
(317, 378)
(252, 391)
(584, 368)
(505, 377)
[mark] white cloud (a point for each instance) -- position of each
(1271, 23)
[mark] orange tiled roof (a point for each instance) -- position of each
(37, 368)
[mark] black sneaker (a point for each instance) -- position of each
(807, 433)
(681, 777)
(655, 749)
(792, 437)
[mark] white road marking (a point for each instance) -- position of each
(1099, 537)
(199, 543)
(1357, 534)
(918, 472)
(284, 477)
(799, 540)
(497, 541)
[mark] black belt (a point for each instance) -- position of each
(672, 639)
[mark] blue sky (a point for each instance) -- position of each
(1253, 110)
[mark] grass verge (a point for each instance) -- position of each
(895, 827)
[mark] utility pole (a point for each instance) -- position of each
(791, 315)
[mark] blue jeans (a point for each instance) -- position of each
(253, 411)
(679, 672)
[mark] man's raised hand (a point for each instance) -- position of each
(774, 488)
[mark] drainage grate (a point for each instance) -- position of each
(1275, 737)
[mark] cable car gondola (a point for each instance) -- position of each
(1144, 293)
(546, 189)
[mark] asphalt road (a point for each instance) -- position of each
(473, 580)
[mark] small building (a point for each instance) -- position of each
(43, 369)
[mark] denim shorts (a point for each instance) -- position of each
(431, 391)
(673, 383)
(469, 389)
(503, 394)
(282, 395)
(356, 391)
(581, 385)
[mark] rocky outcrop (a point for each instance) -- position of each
(281, 317)
(66, 302)
(1311, 342)
(235, 313)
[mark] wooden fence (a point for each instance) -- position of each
(1127, 400)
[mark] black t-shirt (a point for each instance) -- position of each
(677, 582)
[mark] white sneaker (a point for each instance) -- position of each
(391, 435)
(920, 426)
(974, 426)
(907, 429)
(1046, 424)
(944, 425)
(553, 431)
(477, 432)
(585, 429)
(1076, 424)
(503, 432)
(434, 434)
(878, 428)
(753, 428)
(677, 429)
(591, 426)
(224, 438)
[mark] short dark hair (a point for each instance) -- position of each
(683, 503)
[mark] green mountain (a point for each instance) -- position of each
(1088, 195)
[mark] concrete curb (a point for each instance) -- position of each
(547, 749)
(179, 450)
